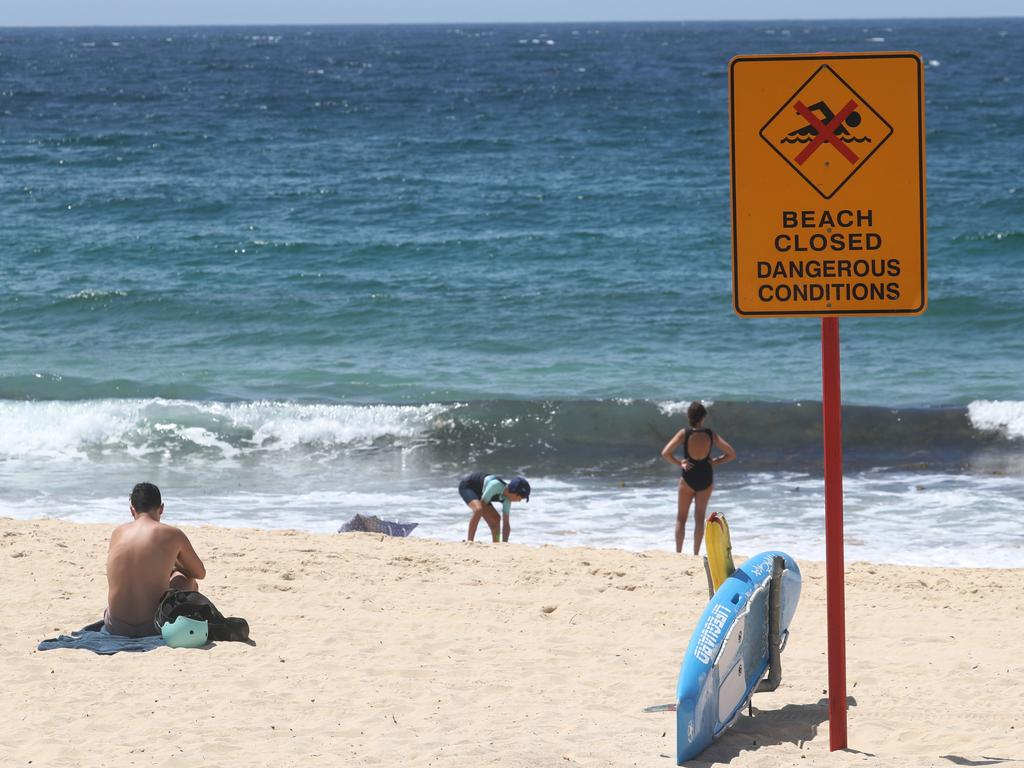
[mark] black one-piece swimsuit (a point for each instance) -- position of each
(700, 475)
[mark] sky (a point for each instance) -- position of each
(201, 12)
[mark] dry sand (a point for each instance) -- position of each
(378, 651)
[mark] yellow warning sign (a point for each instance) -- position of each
(828, 193)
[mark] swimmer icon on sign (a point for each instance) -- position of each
(816, 141)
(831, 128)
(849, 117)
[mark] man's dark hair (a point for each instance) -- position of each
(145, 497)
(694, 413)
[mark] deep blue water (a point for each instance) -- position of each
(347, 261)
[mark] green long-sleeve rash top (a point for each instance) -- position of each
(494, 488)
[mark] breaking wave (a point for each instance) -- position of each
(624, 434)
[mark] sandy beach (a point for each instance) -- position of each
(379, 651)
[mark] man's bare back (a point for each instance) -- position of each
(146, 558)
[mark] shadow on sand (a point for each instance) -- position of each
(793, 724)
(985, 760)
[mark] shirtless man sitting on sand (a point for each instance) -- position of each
(146, 558)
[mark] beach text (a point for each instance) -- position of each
(828, 255)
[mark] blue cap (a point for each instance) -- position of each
(184, 632)
(519, 486)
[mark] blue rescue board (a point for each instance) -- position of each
(728, 653)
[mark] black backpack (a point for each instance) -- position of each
(196, 605)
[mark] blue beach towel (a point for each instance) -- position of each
(373, 524)
(97, 639)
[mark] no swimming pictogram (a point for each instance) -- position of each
(827, 142)
(830, 132)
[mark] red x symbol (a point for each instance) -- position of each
(826, 132)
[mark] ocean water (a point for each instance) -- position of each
(291, 274)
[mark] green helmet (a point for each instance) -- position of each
(184, 632)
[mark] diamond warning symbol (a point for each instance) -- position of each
(826, 131)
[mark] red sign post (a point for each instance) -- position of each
(828, 219)
(831, 416)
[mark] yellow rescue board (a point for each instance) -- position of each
(719, 549)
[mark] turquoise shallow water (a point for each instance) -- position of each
(360, 261)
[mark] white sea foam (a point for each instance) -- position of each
(1005, 416)
(59, 429)
(674, 407)
(206, 439)
(93, 294)
(66, 459)
(53, 429)
(935, 520)
(287, 425)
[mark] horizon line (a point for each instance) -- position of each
(184, 25)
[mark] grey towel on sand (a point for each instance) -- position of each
(97, 639)
(373, 524)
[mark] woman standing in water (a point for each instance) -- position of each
(698, 479)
